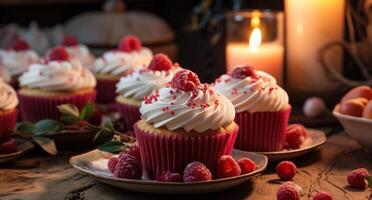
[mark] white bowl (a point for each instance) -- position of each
(358, 128)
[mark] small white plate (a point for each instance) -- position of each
(314, 139)
(94, 163)
(22, 145)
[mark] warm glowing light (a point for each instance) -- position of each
(255, 39)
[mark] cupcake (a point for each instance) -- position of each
(116, 63)
(8, 112)
(78, 51)
(17, 58)
(140, 83)
(184, 122)
(59, 80)
(262, 108)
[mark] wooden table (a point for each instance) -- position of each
(39, 176)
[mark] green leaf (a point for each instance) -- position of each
(46, 126)
(68, 109)
(112, 147)
(47, 144)
(369, 180)
(109, 125)
(27, 127)
(69, 119)
(87, 111)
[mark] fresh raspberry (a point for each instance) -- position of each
(185, 80)
(357, 178)
(295, 136)
(241, 72)
(246, 165)
(127, 167)
(133, 151)
(69, 41)
(58, 53)
(286, 170)
(288, 191)
(111, 164)
(168, 176)
(130, 43)
(96, 118)
(196, 171)
(8, 147)
(227, 167)
(19, 45)
(160, 62)
(322, 196)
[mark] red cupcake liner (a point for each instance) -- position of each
(8, 121)
(35, 108)
(130, 115)
(262, 131)
(173, 152)
(106, 91)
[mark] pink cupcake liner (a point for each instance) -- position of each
(35, 108)
(8, 121)
(261, 131)
(130, 115)
(173, 152)
(106, 91)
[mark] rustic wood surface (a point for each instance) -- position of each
(38, 176)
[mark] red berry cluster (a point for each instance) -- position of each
(130, 43)
(185, 80)
(69, 41)
(160, 62)
(19, 45)
(241, 72)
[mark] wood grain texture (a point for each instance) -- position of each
(38, 176)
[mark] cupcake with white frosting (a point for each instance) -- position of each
(134, 87)
(262, 108)
(8, 113)
(78, 51)
(17, 58)
(117, 63)
(59, 80)
(183, 122)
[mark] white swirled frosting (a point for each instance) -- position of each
(17, 62)
(82, 53)
(58, 76)
(142, 82)
(200, 110)
(253, 94)
(8, 97)
(116, 63)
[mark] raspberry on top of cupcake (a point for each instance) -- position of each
(252, 90)
(8, 97)
(18, 57)
(187, 104)
(58, 73)
(129, 55)
(78, 51)
(143, 81)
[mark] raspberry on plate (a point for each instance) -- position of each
(127, 167)
(196, 171)
(286, 170)
(357, 178)
(160, 62)
(246, 165)
(288, 191)
(168, 176)
(19, 45)
(241, 72)
(322, 196)
(69, 41)
(130, 43)
(227, 167)
(8, 147)
(111, 164)
(185, 80)
(295, 136)
(58, 53)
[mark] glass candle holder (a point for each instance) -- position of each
(256, 38)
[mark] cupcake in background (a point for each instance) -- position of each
(183, 122)
(17, 58)
(78, 51)
(262, 108)
(4, 74)
(117, 63)
(59, 80)
(134, 87)
(8, 117)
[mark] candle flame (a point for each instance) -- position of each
(255, 39)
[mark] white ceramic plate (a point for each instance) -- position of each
(22, 145)
(94, 163)
(315, 138)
